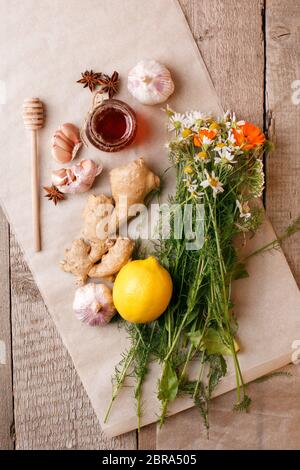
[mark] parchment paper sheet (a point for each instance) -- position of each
(273, 422)
(44, 46)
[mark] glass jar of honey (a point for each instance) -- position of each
(111, 125)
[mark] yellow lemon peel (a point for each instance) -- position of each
(142, 290)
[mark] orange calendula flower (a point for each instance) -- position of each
(204, 137)
(248, 136)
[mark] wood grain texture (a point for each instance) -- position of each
(147, 437)
(6, 395)
(283, 166)
(236, 69)
(230, 37)
(52, 410)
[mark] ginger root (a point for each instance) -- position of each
(97, 255)
(130, 184)
(78, 260)
(116, 257)
(97, 209)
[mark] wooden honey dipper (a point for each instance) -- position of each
(33, 116)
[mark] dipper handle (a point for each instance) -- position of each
(33, 115)
(35, 185)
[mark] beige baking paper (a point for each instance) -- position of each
(44, 47)
(273, 422)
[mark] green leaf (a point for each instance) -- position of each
(195, 338)
(217, 370)
(211, 342)
(164, 260)
(243, 405)
(168, 384)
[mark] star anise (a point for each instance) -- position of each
(109, 84)
(90, 79)
(54, 194)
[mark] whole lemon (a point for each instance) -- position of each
(142, 290)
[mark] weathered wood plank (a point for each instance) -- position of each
(230, 38)
(6, 394)
(147, 437)
(52, 410)
(282, 69)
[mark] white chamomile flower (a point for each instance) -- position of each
(196, 118)
(189, 120)
(244, 209)
(226, 115)
(176, 122)
(213, 182)
(241, 123)
(202, 157)
(230, 119)
(199, 115)
(230, 137)
(225, 155)
(192, 186)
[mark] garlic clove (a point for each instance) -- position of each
(150, 82)
(93, 304)
(59, 177)
(61, 141)
(71, 132)
(66, 143)
(60, 155)
(77, 179)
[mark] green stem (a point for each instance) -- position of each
(188, 311)
(163, 413)
(238, 373)
(139, 402)
(123, 375)
(138, 389)
(173, 344)
(188, 357)
(199, 376)
(193, 349)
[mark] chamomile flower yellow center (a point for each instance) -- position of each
(188, 169)
(214, 126)
(203, 155)
(186, 132)
(213, 181)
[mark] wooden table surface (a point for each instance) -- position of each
(251, 49)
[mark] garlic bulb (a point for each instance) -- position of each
(150, 82)
(93, 304)
(77, 179)
(65, 143)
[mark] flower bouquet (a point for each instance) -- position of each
(219, 176)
